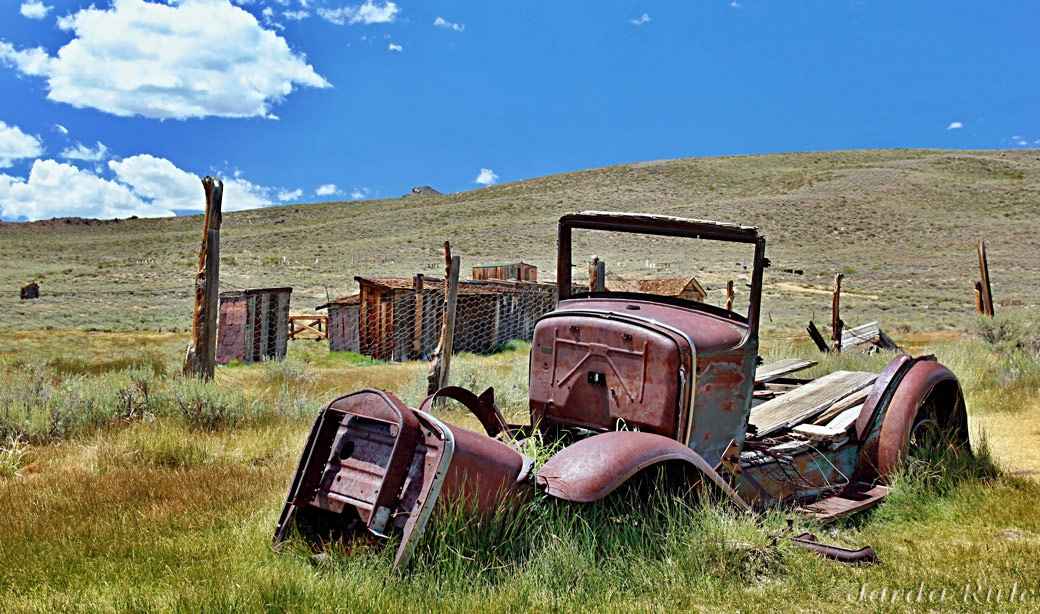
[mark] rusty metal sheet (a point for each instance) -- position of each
(592, 468)
(853, 499)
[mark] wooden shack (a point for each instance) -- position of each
(400, 319)
(343, 323)
(30, 290)
(679, 287)
(514, 271)
(254, 325)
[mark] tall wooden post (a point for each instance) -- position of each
(597, 275)
(438, 377)
(979, 307)
(729, 295)
(987, 292)
(836, 323)
(200, 357)
(418, 282)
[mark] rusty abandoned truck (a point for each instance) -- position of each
(630, 382)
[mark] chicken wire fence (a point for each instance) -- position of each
(400, 326)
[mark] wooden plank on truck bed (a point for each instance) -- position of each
(781, 368)
(856, 398)
(807, 402)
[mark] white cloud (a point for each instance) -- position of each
(296, 15)
(954, 126)
(367, 13)
(192, 58)
(286, 195)
(82, 152)
(57, 189)
(394, 47)
(17, 145)
(35, 9)
(442, 23)
(143, 185)
(1021, 142)
(638, 21)
(61, 129)
(486, 177)
(360, 193)
(735, 4)
(329, 189)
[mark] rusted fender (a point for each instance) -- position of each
(920, 378)
(483, 407)
(592, 468)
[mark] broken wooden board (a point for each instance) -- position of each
(846, 418)
(865, 337)
(781, 368)
(805, 403)
(856, 398)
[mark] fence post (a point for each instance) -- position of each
(979, 309)
(438, 377)
(836, 323)
(597, 275)
(729, 295)
(987, 292)
(418, 283)
(200, 357)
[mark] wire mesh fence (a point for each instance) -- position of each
(398, 324)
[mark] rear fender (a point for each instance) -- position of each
(887, 435)
(592, 468)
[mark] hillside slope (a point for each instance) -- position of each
(902, 224)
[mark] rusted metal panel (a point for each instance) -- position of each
(592, 468)
(373, 466)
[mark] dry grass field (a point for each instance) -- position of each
(125, 487)
(901, 224)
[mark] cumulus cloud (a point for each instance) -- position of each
(191, 58)
(442, 23)
(486, 177)
(143, 185)
(367, 13)
(35, 9)
(287, 195)
(394, 47)
(82, 152)
(329, 189)
(954, 126)
(17, 145)
(360, 193)
(58, 189)
(638, 21)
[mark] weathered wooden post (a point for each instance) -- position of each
(597, 275)
(418, 283)
(987, 292)
(729, 295)
(438, 377)
(201, 355)
(979, 308)
(836, 323)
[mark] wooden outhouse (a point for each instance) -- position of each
(254, 325)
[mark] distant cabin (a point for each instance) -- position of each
(423, 190)
(679, 287)
(30, 290)
(509, 271)
(254, 325)
(344, 318)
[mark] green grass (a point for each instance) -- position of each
(901, 223)
(143, 505)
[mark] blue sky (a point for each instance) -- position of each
(114, 109)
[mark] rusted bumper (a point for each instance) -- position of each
(373, 466)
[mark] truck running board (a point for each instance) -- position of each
(855, 497)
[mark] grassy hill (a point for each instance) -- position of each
(902, 225)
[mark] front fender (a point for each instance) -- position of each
(592, 468)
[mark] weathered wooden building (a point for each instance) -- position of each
(343, 329)
(678, 287)
(254, 325)
(514, 271)
(397, 319)
(30, 290)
